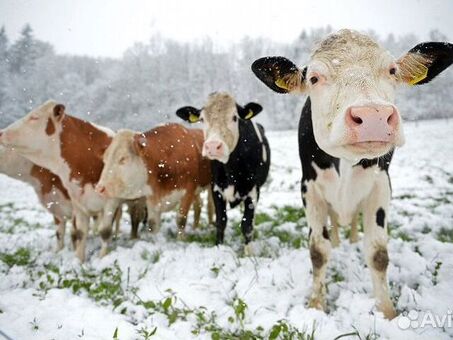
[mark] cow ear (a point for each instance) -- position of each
(249, 111)
(189, 114)
(280, 74)
(59, 112)
(424, 62)
(140, 143)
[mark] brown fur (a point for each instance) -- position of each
(48, 180)
(317, 258)
(179, 150)
(50, 128)
(82, 147)
(381, 259)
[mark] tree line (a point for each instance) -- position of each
(153, 79)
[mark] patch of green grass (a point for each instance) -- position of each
(146, 334)
(435, 278)
(404, 236)
(206, 236)
(21, 257)
(104, 287)
(261, 218)
(445, 235)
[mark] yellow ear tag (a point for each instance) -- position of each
(281, 83)
(419, 77)
(249, 115)
(193, 118)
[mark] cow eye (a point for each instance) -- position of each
(235, 118)
(392, 70)
(314, 80)
(122, 160)
(33, 118)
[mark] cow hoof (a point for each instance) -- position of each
(59, 247)
(316, 303)
(181, 236)
(248, 250)
(104, 251)
(81, 256)
(388, 310)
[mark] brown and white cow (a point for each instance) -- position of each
(73, 149)
(164, 164)
(51, 193)
(348, 130)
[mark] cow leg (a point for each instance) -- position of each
(375, 212)
(135, 215)
(220, 216)
(183, 211)
(60, 222)
(108, 217)
(319, 240)
(247, 224)
(211, 207)
(154, 215)
(354, 236)
(81, 223)
(335, 234)
(117, 219)
(197, 204)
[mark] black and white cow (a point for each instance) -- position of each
(348, 130)
(240, 156)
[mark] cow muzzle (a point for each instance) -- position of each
(215, 149)
(368, 124)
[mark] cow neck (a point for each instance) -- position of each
(82, 147)
(48, 180)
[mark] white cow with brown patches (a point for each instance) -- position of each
(50, 190)
(73, 149)
(348, 130)
(164, 164)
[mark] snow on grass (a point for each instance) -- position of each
(160, 288)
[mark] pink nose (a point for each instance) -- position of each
(372, 123)
(213, 148)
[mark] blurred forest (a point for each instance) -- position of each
(152, 80)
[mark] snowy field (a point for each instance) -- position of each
(160, 288)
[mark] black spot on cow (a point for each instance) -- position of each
(309, 151)
(380, 217)
(325, 233)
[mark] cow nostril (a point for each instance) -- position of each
(219, 146)
(357, 119)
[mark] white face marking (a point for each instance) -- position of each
(220, 119)
(28, 136)
(351, 71)
(125, 174)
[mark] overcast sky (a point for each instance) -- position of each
(108, 27)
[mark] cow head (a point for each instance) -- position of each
(124, 174)
(36, 134)
(351, 82)
(220, 116)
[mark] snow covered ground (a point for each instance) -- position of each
(160, 288)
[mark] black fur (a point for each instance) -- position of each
(441, 55)
(269, 69)
(244, 170)
(380, 217)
